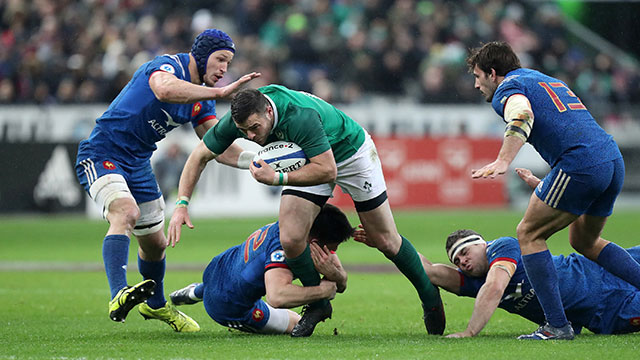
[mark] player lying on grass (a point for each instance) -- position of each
(236, 280)
(493, 273)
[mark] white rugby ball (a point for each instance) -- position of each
(282, 156)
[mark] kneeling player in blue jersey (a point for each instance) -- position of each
(113, 165)
(236, 280)
(587, 172)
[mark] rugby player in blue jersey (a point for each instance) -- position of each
(236, 280)
(493, 273)
(587, 172)
(114, 168)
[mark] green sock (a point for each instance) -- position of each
(408, 262)
(302, 267)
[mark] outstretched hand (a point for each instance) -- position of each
(229, 90)
(180, 217)
(492, 170)
(527, 176)
(360, 236)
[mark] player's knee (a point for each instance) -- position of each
(387, 243)
(293, 246)
(123, 213)
(524, 232)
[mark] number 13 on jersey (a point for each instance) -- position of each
(575, 105)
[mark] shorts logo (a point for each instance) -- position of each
(367, 186)
(196, 109)
(277, 256)
(257, 315)
(108, 165)
(634, 321)
(168, 68)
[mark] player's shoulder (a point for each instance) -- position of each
(173, 64)
(502, 246)
(272, 88)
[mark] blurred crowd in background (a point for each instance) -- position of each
(346, 51)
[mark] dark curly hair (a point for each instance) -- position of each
(496, 55)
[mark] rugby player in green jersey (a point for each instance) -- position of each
(340, 152)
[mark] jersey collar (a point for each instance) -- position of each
(275, 113)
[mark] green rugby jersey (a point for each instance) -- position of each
(302, 118)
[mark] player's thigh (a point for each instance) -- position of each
(106, 182)
(584, 235)
(540, 221)
(297, 213)
(361, 177)
(381, 229)
(589, 190)
(611, 178)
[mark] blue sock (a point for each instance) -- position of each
(154, 270)
(617, 261)
(115, 254)
(544, 279)
(199, 291)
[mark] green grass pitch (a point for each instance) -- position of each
(54, 294)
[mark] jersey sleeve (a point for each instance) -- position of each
(307, 131)
(202, 111)
(165, 63)
(503, 249)
(509, 86)
(275, 255)
(221, 135)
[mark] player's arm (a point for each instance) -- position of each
(234, 156)
(442, 275)
(527, 176)
(168, 88)
(282, 293)
(519, 117)
(329, 265)
(488, 297)
(195, 164)
(321, 169)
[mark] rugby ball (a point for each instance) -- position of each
(282, 156)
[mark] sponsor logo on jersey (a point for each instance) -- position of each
(196, 109)
(277, 256)
(108, 165)
(257, 315)
(168, 68)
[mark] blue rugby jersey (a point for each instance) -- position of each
(236, 276)
(136, 119)
(581, 282)
(564, 132)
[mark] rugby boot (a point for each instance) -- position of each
(311, 316)
(175, 318)
(548, 332)
(182, 296)
(128, 297)
(434, 317)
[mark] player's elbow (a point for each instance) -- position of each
(330, 173)
(162, 93)
(276, 300)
